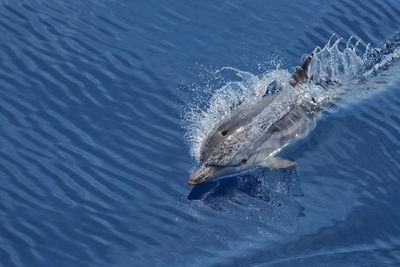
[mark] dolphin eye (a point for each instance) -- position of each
(224, 132)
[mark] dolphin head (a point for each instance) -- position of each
(202, 174)
(223, 147)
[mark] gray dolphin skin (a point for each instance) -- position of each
(254, 134)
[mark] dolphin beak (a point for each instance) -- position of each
(202, 174)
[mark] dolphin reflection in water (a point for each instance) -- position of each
(253, 134)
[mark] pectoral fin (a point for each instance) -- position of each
(278, 163)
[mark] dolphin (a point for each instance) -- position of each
(253, 134)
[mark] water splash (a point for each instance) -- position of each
(336, 64)
(383, 57)
(339, 71)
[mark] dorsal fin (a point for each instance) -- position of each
(300, 75)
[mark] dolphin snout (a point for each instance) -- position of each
(202, 174)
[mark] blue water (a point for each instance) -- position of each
(96, 137)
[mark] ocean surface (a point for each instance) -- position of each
(104, 106)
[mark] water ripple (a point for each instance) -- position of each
(92, 160)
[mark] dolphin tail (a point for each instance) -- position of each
(300, 75)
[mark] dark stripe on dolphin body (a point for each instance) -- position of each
(293, 126)
(212, 153)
